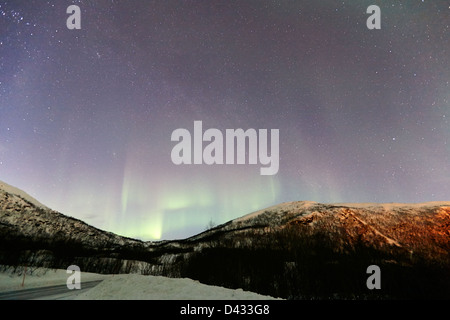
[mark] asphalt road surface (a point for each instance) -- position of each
(59, 292)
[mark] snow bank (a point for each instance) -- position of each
(139, 287)
(126, 286)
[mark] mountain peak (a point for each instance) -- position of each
(312, 245)
(16, 191)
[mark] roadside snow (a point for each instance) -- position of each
(10, 281)
(139, 287)
(126, 286)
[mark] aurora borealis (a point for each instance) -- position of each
(86, 116)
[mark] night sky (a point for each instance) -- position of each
(86, 116)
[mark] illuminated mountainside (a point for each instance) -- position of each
(292, 250)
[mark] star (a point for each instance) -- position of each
(91, 111)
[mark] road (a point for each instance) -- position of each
(59, 292)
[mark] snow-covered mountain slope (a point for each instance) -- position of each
(421, 225)
(15, 191)
(123, 287)
(29, 218)
(31, 233)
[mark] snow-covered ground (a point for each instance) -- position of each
(13, 190)
(126, 286)
(394, 205)
(139, 287)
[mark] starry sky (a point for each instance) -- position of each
(86, 116)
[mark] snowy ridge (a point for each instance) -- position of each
(13, 190)
(394, 205)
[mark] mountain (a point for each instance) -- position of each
(32, 234)
(8, 189)
(297, 250)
